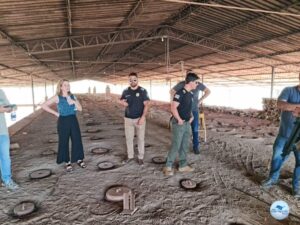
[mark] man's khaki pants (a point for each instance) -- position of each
(130, 126)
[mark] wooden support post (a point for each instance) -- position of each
(46, 97)
(32, 92)
(272, 81)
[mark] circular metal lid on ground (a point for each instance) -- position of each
(188, 184)
(95, 130)
(106, 165)
(115, 194)
(39, 174)
(48, 152)
(92, 124)
(159, 160)
(24, 208)
(52, 141)
(100, 150)
(96, 138)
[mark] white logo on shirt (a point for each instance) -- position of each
(137, 94)
(177, 96)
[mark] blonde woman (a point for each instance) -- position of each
(67, 125)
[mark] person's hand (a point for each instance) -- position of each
(200, 104)
(141, 121)
(124, 103)
(191, 119)
(180, 122)
(70, 101)
(296, 112)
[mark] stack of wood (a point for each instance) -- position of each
(270, 110)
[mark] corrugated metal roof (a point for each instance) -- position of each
(105, 40)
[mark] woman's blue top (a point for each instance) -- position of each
(63, 107)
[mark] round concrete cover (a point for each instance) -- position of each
(24, 208)
(39, 174)
(99, 150)
(115, 194)
(95, 138)
(106, 165)
(48, 152)
(92, 124)
(95, 130)
(159, 160)
(188, 184)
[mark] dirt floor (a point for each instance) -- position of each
(232, 163)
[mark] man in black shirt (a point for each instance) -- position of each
(136, 101)
(181, 108)
(195, 109)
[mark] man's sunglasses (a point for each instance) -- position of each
(131, 81)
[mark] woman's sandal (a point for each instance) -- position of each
(69, 167)
(81, 164)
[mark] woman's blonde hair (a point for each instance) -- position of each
(59, 84)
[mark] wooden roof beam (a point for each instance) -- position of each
(173, 19)
(36, 60)
(69, 16)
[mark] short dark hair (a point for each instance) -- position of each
(133, 74)
(189, 71)
(191, 77)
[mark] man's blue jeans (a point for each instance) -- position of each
(278, 160)
(5, 159)
(195, 130)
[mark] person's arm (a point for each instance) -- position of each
(123, 100)
(172, 93)
(192, 118)
(145, 111)
(5, 102)
(206, 94)
(77, 105)
(176, 88)
(175, 113)
(74, 101)
(5, 109)
(46, 105)
(282, 101)
(285, 106)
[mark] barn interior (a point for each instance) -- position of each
(227, 43)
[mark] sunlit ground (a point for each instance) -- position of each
(243, 97)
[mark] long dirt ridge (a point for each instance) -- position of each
(232, 163)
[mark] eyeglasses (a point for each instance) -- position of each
(131, 81)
